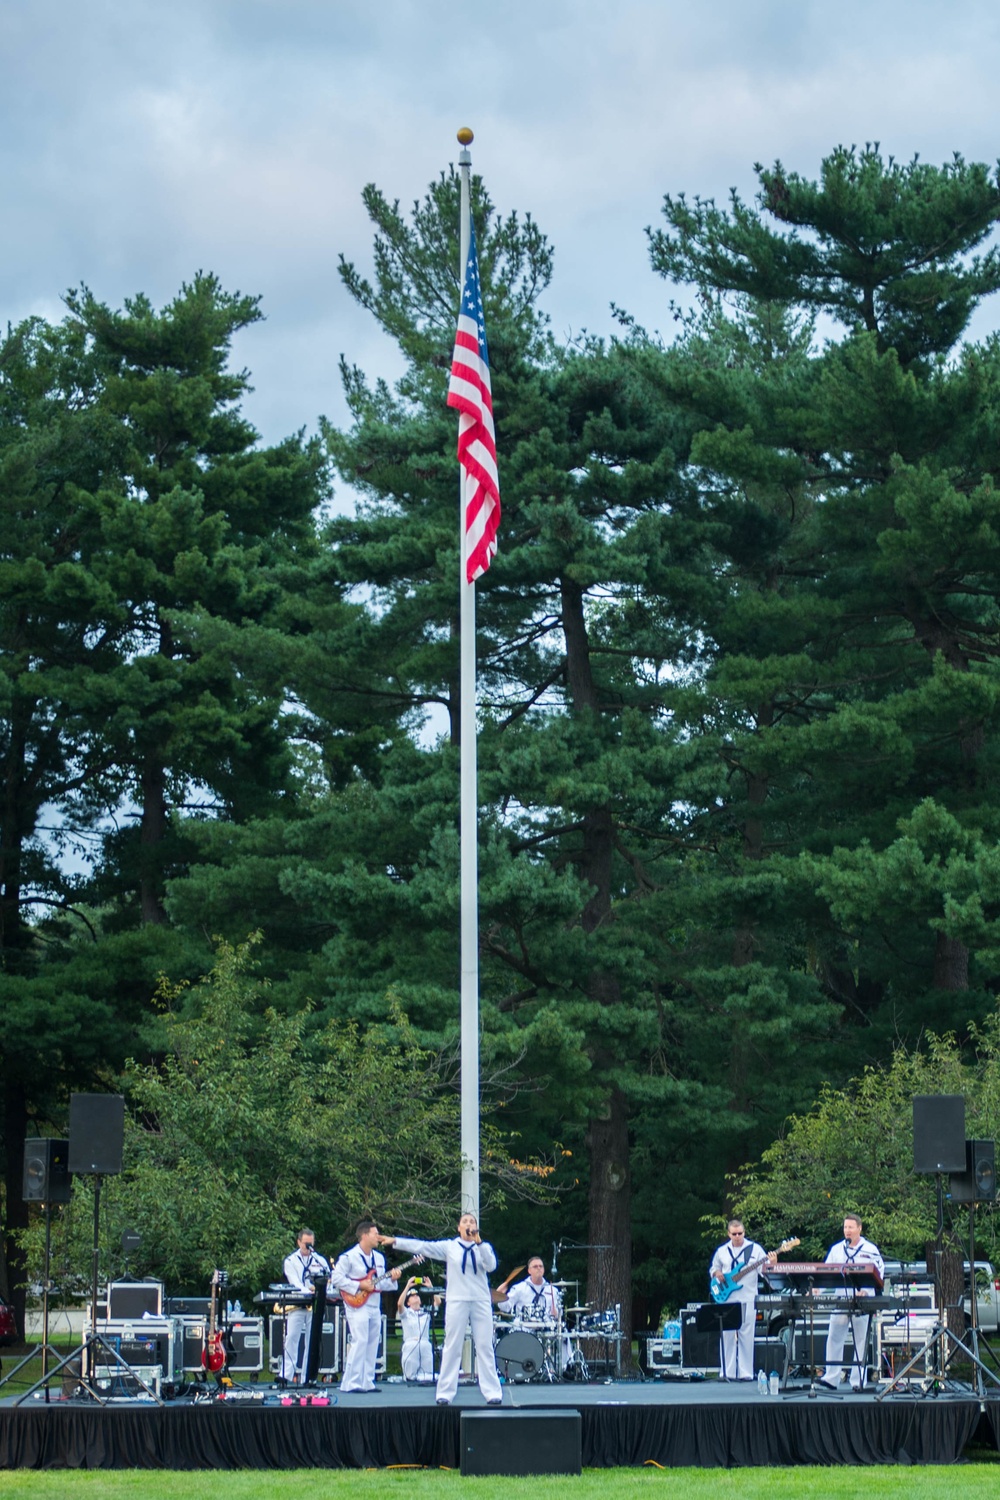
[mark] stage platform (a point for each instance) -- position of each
(670, 1423)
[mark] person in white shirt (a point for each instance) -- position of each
(416, 1356)
(469, 1259)
(362, 1269)
(732, 1256)
(534, 1297)
(852, 1250)
(298, 1268)
(538, 1301)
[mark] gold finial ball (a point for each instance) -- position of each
(465, 136)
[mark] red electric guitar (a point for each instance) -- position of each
(213, 1356)
(359, 1298)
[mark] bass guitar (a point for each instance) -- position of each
(723, 1290)
(213, 1356)
(360, 1297)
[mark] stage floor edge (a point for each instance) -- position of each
(672, 1424)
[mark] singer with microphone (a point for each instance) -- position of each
(852, 1250)
(304, 1262)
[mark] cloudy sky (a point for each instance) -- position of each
(141, 140)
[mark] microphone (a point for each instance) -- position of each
(555, 1260)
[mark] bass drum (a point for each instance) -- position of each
(520, 1354)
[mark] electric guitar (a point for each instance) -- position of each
(213, 1356)
(359, 1298)
(723, 1290)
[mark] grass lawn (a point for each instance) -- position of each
(963, 1482)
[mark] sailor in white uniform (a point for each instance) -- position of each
(853, 1250)
(736, 1359)
(362, 1269)
(416, 1356)
(468, 1303)
(298, 1269)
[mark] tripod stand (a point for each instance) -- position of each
(44, 1348)
(935, 1352)
(94, 1343)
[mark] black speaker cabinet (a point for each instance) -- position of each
(521, 1442)
(978, 1183)
(939, 1132)
(96, 1134)
(135, 1299)
(699, 1351)
(46, 1171)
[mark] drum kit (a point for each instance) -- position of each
(549, 1349)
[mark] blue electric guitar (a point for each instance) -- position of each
(723, 1290)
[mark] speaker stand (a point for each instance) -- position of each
(94, 1342)
(44, 1348)
(941, 1334)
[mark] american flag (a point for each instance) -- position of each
(469, 390)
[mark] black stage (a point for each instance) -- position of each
(673, 1423)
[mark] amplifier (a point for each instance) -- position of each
(144, 1342)
(699, 1351)
(112, 1381)
(135, 1299)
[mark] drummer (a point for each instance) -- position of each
(534, 1298)
(537, 1301)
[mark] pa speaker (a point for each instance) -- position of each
(46, 1173)
(978, 1183)
(939, 1133)
(96, 1134)
(521, 1442)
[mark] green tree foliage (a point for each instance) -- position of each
(853, 1151)
(253, 1123)
(146, 540)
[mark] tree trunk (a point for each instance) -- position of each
(951, 963)
(15, 1126)
(609, 1269)
(949, 1278)
(152, 831)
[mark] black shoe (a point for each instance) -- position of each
(827, 1385)
(443, 1401)
(496, 1401)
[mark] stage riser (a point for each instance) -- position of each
(711, 1434)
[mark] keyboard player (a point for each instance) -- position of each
(304, 1262)
(853, 1250)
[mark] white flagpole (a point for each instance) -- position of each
(469, 810)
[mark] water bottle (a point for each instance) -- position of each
(773, 1382)
(762, 1383)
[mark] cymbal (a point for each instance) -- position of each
(584, 1308)
(564, 1284)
